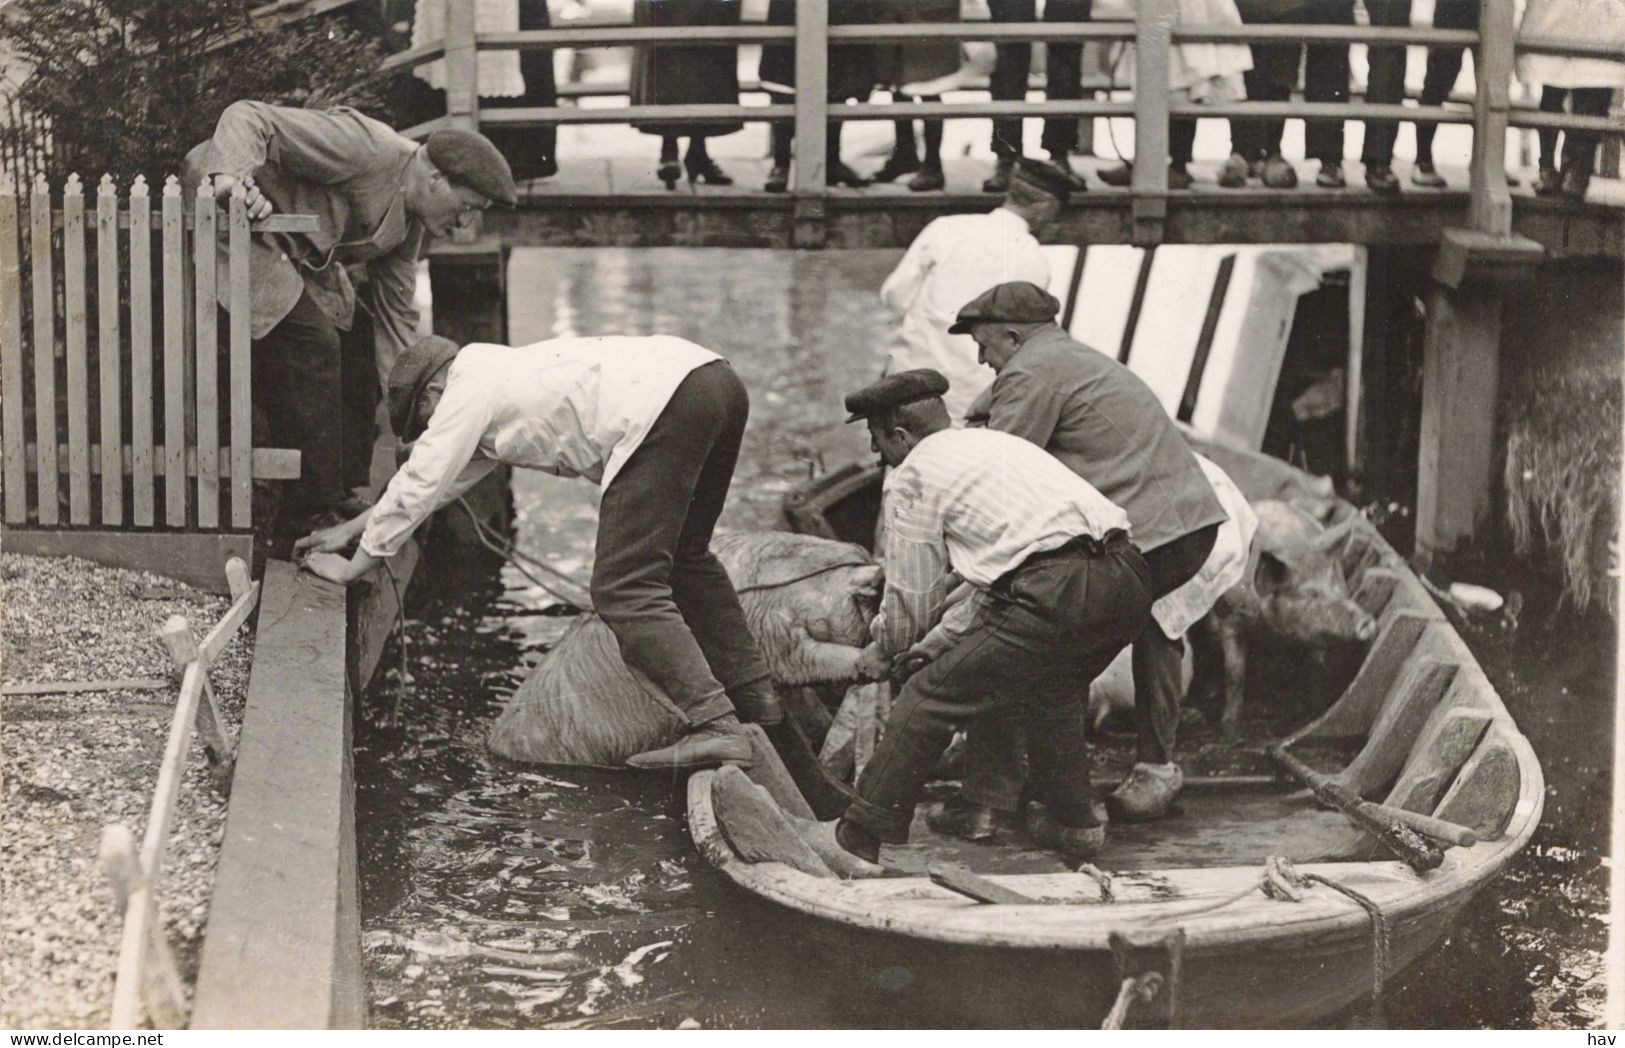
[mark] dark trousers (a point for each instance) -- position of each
(1013, 64)
(319, 387)
(994, 746)
(1385, 82)
(1155, 658)
(1052, 623)
(1579, 147)
(1275, 74)
(1444, 66)
(655, 581)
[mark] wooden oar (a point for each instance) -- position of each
(1398, 838)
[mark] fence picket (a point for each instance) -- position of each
(174, 248)
(109, 368)
(208, 360)
(242, 409)
(12, 435)
(77, 313)
(44, 281)
(141, 464)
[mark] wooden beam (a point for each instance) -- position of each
(268, 463)
(812, 95)
(76, 687)
(184, 653)
(187, 556)
(462, 67)
(277, 953)
(1491, 207)
(1154, 21)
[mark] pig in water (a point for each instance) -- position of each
(1293, 591)
(807, 600)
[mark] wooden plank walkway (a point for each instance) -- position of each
(619, 202)
(283, 944)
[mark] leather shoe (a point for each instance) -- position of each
(1331, 175)
(1233, 174)
(704, 748)
(1427, 176)
(778, 179)
(1061, 163)
(1119, 176)
(999, 180)
(958, 817)
(896, 167)
(1075, 842)
(1147, 793)
(1549, 182)
(838, 174)
(927, 180)
(1277, 173)
(1380, 178)
(1576, 180)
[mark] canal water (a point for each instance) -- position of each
(497, 895)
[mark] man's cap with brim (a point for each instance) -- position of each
(1016, 302)
(905, 387)
(468, 158)
(413, 371)
(1042, 177)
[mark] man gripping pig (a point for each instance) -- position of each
(1107, 426)
(657, 421)
(1058, 591)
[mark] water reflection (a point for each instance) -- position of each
(503, 895)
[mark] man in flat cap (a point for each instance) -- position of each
(1105, 424)
(1057, 590)
(656, 421)
(958, 256)
(376, 196)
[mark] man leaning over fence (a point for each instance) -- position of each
(376, 195)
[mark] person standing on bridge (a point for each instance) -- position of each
(958, 256)
(687, 74)
(1107, 426)
(1587, 84)
(657, 422)
(322, 346)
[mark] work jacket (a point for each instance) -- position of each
(347, 170)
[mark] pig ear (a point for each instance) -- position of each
(870, 581)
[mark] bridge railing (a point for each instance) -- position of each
(1154, 32)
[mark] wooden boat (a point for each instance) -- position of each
(1428, 734)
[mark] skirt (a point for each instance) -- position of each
(702, 74)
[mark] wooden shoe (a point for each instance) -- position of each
(1075, 842)
(1147, 793)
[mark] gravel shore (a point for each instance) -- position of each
(76, 763)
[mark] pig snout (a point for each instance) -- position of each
(1319, 618)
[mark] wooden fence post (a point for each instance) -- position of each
(1153, 41)
(12, 436)
(141, 443)
(242, 401)
(174, 248)
(77, 315)
(43, 277)
(146, 967)
(207, 357)
(109, 367)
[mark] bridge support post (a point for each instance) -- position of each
(1460, 376)
(1153, 41)
(812, 122)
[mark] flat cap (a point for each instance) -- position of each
(410, 376)
(1043, 177)
(893, 391)
(468, 158)
(1018, 302)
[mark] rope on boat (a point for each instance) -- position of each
(1280, 880)
(1142, 988)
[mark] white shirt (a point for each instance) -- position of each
(575, 407)
(1180, 609)
(954, 259)
(978, 502)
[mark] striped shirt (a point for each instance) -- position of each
(976, 503)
